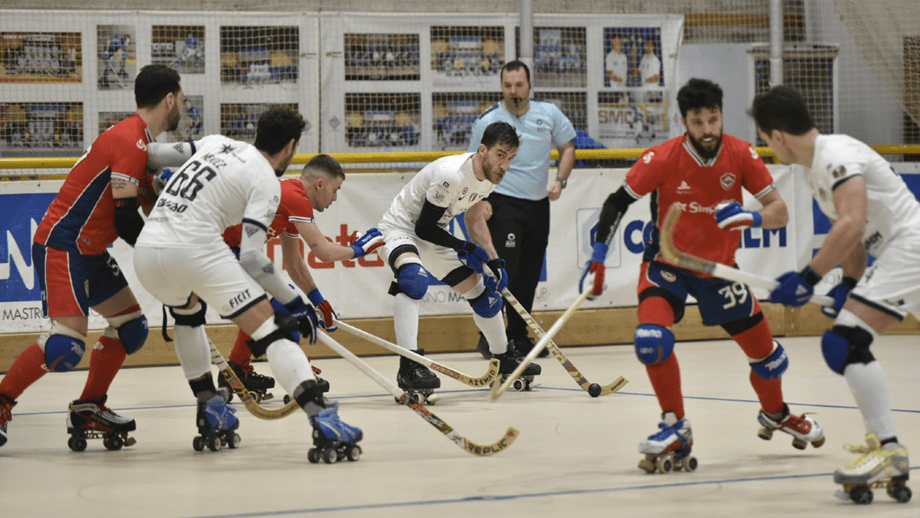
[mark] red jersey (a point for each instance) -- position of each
(294, 206)
(81, 217)
(676, 174)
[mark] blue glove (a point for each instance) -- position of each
(161, 179)
(593, 276)
(498, 271)
(732, 216)
(324, 310)
(795, 289)
(472, 256)
(366, 244)
(306, 318)
(839, 293)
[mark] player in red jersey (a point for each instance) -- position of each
(702, 172)
(316, 189)
(97, 204)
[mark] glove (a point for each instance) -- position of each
(324, 310)
(839, 293)
(795, 289)
(472, 256)
(370, 241)
(498, 271)
(593, 276)
(161, 179)
(732, 216)
(306, 318)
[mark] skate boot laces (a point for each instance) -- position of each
(798, 423)
(332, 426)
(220, 414)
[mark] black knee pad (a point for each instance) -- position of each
(194, 320)
(287, 325)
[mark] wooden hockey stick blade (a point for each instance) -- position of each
(557, 352)
(692, 262)
(249, 401)
(497, 390)
(481, 381)
(482, 450)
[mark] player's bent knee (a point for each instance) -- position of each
(412, 279)
(844, 345)
(63, 352)
(654, 344)
(286, 329)
(133, 334)
(488, 304)
(774, 365)
(190, 317)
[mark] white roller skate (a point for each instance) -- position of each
(670, 448)
(802, 428)
(91, 419)
(216, 424)
(878, 467)
(417, 380)
(333, 439)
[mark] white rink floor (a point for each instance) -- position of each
(576, 456)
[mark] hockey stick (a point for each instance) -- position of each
(497, 390)
(692, 262)
(249, 401)
(469, 446)
(593, 389)
(481, 381)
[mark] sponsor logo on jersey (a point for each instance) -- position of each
(728, 180)
(648, 157)
(668, 276)
(839, 172)
(141, 145)
(684, 188)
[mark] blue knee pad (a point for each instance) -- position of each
(133, 334)
(413, 280)
(488, 304)
(773, 366)
(654, 344)
(843, 345)
(63, 353)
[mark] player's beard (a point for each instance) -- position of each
(707, 151)
(493, 173)
(172, 122)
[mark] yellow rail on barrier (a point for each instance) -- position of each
(428, 156)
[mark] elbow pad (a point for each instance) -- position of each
(128, 222)
(426, 227)
(613, 211)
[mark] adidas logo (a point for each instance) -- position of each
(683, 188)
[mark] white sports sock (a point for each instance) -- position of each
(193, 350)
(870, 389)
(405, 320)
(494, 330)
(289, 364)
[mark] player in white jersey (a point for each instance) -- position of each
(182, 259)
(415, 231)
(873, 212)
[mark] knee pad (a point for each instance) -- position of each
(654, 344)
(64, 348)
(286, 329)
(843, 345)
(488, 304)
(774, 365)
(412, 279)
(132, 330)
(190, 319)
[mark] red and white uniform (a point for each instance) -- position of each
(80, 218)
(294, 207)
(676, 175)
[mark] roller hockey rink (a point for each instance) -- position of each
(575, 455)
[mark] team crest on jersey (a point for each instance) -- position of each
(839, 172)
(728, 180)
(473, 197)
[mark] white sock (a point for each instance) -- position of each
(289, 364)
(493, 329)
(405, 320)
(870, 389)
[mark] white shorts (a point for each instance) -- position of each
(213, 273)
(892, 283)
(438, 260)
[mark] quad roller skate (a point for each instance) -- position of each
(877, 468)
(510, 361)
(91, 419)
(802, 428)
(333, 439)
(216, 425)
(670, 448)
(418, 382)
(6, 415)
(257, 384)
